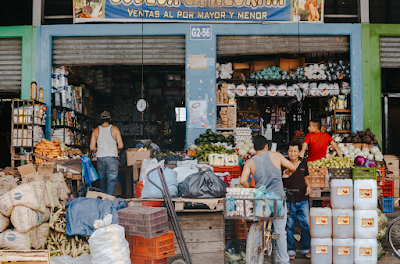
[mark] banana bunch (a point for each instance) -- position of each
(58, 243)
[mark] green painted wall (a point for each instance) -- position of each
(28, 35)
(372, 83)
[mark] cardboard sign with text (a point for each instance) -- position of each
(29, 174)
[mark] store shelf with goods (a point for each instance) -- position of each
(291, 81)
(226, 116)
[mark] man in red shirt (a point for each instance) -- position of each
(317, 142)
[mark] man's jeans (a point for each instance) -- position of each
(281, 243)
(107, 168)
(299, 211)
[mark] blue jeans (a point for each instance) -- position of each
(299, 211)
(281, 244)
(107, 169)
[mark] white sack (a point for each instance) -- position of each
(4, 222)
(147, 166)
(8, 182)
(24, 219)
(13, 240)
(39, 236)
(24, 194)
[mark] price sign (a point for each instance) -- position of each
(200, 32)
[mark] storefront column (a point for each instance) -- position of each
(28, 35)
(200, 84)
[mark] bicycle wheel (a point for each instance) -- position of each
(254, 250)
(393, 236)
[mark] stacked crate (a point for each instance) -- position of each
(147, 231)
(392, 165)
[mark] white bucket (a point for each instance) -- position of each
(366, 224)
(343, 223)
(321, 222)
(365, 251)
(321, 250)
(365, 194)
(343, 251)
(342, 194)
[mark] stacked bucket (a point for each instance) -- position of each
(333, 230)
(147, 231)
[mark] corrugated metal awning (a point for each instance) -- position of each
(390, 52)
(10, 64)
(157, 50)
(260, 45)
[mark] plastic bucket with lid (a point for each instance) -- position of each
(342, 194)
(343, 251)
(321, 250)
(366, 224)
(321, 222)
(365, 251)
(365, 194)
(342, 223)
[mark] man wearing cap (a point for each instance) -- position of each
(106, 140)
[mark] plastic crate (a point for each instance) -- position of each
(234, 171)
(387, 188)
(316, 181)
(155, 248)
(147, 222)
(364, 174)
(340, 173)
(381, 172)
(229, 227)
(318, 172)
(239, 230)
(142, 260)
(388, 204)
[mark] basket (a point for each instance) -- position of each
(387, 188)
(339, 173)
(234, 171)
(316, 181)
(364, 174)
(142, 260)
(147, 222)
(317, 171)
(155, 248)
(388, 204)
(239, 230)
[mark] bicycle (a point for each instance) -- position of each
(261, 238)
(393, 236)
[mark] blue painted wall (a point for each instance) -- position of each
(201, 83)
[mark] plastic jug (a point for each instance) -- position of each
(343, 223)
(321, 250)
(365, 251)
(342, 194)
(366, 224)
(343, 251)
(365, 194)
(321, 222)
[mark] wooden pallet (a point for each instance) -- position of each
(179, 204)
(25, 257)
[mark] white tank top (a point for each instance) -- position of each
(106, 145)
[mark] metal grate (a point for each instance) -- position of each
(10, 64)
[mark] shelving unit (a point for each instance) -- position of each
(234, 121)
(28, 119)
(334, 115)
(252, 120)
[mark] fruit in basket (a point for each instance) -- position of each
(332, 162)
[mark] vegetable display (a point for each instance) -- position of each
(352, 152)
(210, 137)
(332, 162)
(366, 137)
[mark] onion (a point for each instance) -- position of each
(359, 161)
(370, 163)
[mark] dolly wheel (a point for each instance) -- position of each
(178, 261)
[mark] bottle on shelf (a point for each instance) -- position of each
(33, 90)
(41, 93)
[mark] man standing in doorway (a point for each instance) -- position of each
(298, 202)
(107, 141)
(265, 166)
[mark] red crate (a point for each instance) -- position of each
(142, 260)
(380, 176)
(387, 189)
(239, 230)
(147, 222)
(156, 248)
(234, 171)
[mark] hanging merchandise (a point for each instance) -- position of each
(89, 174)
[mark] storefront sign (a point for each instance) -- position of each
(200, 32)
(218, 11)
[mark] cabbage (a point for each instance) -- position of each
(371, 156)
(357, 150)
(351, 147)
(370, 164)
(374, 150)
(341, 145)
(365, 150)
(359, 161)
(379, 157)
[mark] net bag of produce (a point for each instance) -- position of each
(24, 194)
(203, 184)
(151, 191)
(4, 222)
(109, 246)
(39, 236)
(24, 218)
(13, 240)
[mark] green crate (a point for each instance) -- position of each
(364, 174)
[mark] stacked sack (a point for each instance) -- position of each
(343, 224)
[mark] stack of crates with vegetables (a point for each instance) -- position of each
(211, 143)
(147, 231)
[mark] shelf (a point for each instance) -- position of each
(334, 112)
(232, 128)
(226, 104)
(256, 129)
(68, 127)
(26, 124)
(249, 120)
(281, 81)
(342, 131)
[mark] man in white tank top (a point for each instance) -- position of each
(106, 140)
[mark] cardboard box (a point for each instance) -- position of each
(392, 162)
(99, 195)
(10, 171)
(260, 65)
(393, 174)
(29, 174)
(290, 64)
(135, 157)
(239, 69)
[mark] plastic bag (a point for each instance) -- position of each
(11, 239)
(89, 174)
(24, 194)
(203, 184)
(109, 246)
(269, 203)
(184, 171)
(151, 191)
(147, 166)
(82, 213)
(70, 260)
